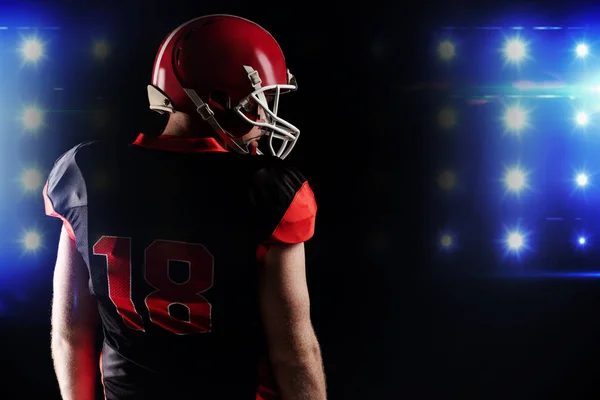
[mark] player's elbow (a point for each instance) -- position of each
(72, 330)
(61, 342)
(296, 351)
(71, 335)
(310, 354)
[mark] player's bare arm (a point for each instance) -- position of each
(285, 306)
(74, 322)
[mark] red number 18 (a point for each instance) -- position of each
(117, 251)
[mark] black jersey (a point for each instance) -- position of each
(172, 231)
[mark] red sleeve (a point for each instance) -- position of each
(298, 222)
(52, 213)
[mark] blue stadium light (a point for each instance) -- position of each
(582, 118)
(582, 50)
(446, 50)
(446, 240)
(32, 50)
(31, 241)
(515, 50)
(582, 179)
(31, 180)
(515, 179)
(32, 118)
(516, 119)
(101, 50)
(447, 118)
(515, 241)
(446, 180)
(581, 240)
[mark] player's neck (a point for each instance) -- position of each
(182, 125)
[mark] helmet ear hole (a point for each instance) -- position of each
(219, 100)
(177, 55)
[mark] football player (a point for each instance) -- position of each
(187, 248)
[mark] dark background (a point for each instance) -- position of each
(390, 325)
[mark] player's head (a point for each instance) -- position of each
(230, 73)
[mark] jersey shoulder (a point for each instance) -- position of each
(278, 177)
(65, 187)
(285, 199)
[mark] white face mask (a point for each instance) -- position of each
(275, 127)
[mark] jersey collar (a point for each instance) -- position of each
(176, 143)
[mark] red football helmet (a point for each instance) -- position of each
(223, 67)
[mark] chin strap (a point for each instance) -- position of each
(254, 77)
(209, 116)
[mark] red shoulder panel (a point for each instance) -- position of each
(298, 222)
(50, 212)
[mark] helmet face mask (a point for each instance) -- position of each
(275, 127)
(244, 69)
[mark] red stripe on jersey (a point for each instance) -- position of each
(266, 381)
(264, 393)
(298, 222)
(178, 143)
(52, 213)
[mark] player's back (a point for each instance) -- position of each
(172, 240)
